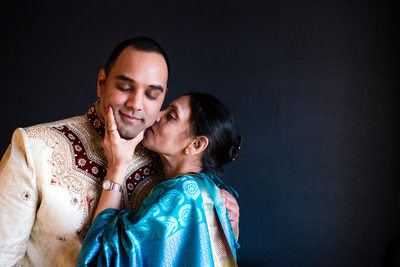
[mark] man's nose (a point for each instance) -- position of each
(135, 100)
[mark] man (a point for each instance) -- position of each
(51, 175)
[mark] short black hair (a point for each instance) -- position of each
(141, 43)
(210, 118)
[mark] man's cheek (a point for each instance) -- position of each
(150, 121)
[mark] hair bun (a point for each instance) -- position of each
(234, 151)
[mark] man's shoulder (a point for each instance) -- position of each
(59, 123)
(78, 127)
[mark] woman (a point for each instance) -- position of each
(183, 221)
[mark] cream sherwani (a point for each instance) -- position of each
(50, 183)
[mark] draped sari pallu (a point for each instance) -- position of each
(182, 222)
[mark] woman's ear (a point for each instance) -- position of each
(198, 145)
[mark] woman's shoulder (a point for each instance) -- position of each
(181, 179)
(183, 185)
(185, 181)
(189, 183)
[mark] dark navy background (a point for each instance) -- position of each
(312, 85)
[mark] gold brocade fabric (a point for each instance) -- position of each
(50, 183)
(222, 252)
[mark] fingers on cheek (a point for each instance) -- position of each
(227, 206)
(230, 198)
(227, 202)
(233, 201)
(224, 197)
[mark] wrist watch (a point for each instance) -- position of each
(108, 185)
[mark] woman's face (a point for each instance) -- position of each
(170, 134)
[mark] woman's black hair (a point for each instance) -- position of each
(211, 118)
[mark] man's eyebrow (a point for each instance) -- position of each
(125, 78)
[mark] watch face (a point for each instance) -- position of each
(106, 184)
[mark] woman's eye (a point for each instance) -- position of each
(170, 117)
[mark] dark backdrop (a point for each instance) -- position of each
(312, 86)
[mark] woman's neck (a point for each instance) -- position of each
(174, 166)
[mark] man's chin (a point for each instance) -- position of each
(129, 135)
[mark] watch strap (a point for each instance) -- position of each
(116, 187)
(112, 186)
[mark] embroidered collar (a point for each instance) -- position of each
(95, 119)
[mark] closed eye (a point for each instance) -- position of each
(128, 89)
(170, 117)
(151, 96)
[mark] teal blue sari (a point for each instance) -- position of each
(182, 222)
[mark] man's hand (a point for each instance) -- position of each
(233, 208)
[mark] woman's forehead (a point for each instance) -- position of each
(182, 106)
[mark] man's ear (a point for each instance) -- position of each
(101, 81)
(198, 145)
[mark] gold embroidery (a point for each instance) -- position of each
(77, 183)
(222, 252)
(78, 165)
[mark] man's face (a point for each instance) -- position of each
(135, 88)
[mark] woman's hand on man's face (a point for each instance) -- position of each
(118, 151)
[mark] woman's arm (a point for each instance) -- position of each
(110, 199)
(119, 154)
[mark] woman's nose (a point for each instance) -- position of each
(160, 115)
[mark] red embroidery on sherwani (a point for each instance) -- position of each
(89, 201)
(26, 196)
(95, 121)
(81, 159)
(74, 201)
(136, 177)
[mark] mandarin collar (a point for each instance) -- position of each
(95, 120)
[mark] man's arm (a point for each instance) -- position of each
(233, 208)
(18, 200)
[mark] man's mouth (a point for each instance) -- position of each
(129, 118)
